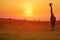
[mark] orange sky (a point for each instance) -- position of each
(29, 9)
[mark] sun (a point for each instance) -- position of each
(28, 13)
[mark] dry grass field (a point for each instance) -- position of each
(28, 30)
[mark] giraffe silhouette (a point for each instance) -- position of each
(52, 18)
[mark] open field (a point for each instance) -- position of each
(28, 30)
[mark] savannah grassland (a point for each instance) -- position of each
(28, 30)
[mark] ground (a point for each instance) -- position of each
(28, 30)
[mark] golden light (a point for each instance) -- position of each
(28, 12)
(28, 9)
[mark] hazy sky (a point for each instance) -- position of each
(29, 9)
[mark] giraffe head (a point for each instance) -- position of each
(50, 4)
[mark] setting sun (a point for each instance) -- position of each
(28, 12)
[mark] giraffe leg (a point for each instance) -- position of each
(52, 27)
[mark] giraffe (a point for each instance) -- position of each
(52, 18)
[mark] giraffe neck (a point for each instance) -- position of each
(52, 12)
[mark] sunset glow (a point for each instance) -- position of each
(28, 12)
(23, 9)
